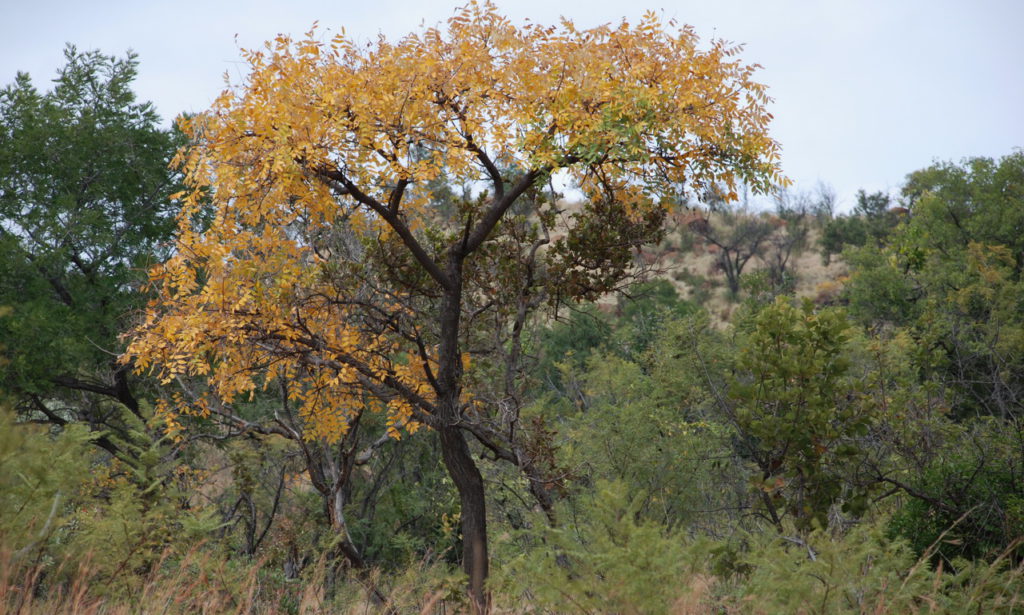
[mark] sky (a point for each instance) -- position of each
(865, 91)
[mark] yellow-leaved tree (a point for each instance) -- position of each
(317, 253)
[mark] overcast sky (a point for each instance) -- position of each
(865, 91)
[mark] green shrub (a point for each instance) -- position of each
(863, 571)
(972, 497)
(40, 476)
(606, 561)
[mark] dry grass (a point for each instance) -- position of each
(200, 585)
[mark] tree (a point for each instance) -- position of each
(952, 274)
(950, 278)
(737, 233)
(872, 220)
(790, 238)
(327, 267)
(963, 255)
(83, 211)
(798, 408)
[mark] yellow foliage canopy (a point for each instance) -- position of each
(321, 154)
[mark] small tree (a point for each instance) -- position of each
(327, 267)
(737, 232)
(790, 237)
(872, 220)
(798, 408)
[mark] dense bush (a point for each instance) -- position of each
(970, 501)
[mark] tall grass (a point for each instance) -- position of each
(200, 583)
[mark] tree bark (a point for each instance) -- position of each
(460, 465)
(336, 513)
(454, 450)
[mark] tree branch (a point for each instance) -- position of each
(492, 170)
(395, 199)
(497, 209)
(390, 215)
(422, 409)
(101, 441)
(489, 166)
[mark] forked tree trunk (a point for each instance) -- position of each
(348, 549)
(336, 513)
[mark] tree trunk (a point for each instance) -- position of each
(454, 450)
(470, 484)
(732, 273)
(336, 512)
